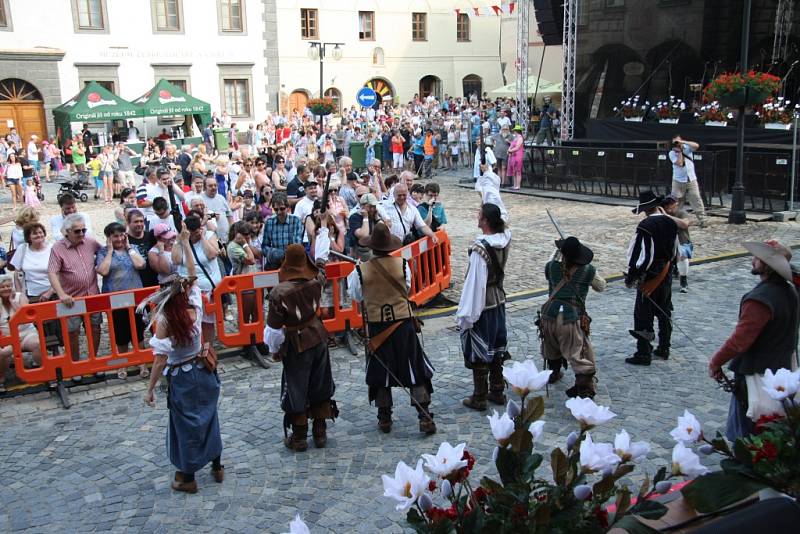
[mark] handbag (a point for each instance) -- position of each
(408, 237)
(10, 254)
(208, 357)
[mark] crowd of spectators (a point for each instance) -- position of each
(239, 208)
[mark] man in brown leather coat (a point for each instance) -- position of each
(295, 332)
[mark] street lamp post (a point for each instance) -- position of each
(318, 50)
(737, 214)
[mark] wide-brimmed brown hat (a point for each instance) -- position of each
(381, 239)
(296, 265)
(773, 256)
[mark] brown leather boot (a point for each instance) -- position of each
(584, 387)
(180, 484)
(426, 424)
(298, 440)
(555, 366)
(385, 420)
(497, 384)
(319, 432)
(480, 387)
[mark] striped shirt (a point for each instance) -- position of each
(74, 266)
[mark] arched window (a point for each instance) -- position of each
(472, 83)
(16, 89)
(377, 56)
(335, 95)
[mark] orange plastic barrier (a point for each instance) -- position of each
(430, 266)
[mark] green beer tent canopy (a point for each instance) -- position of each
(169, 99)
(94, 103)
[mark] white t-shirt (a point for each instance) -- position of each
(34, 264)
(403, 220)
(154, 219)
(57, 220)
(490, 160)
(302, 209)
(33, 151)
(503, 121)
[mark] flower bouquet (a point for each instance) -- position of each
(777, 115)
(321, 106)
(737, 89)
(585, 475)
(713, 115)
(768, 458)
(669, 111)
(631, 110)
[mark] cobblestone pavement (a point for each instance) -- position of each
(102, 465)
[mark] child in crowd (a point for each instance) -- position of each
(431, 210)
(94, 172)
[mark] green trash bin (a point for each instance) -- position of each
(221, 139)
(358, 153)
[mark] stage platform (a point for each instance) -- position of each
(615, 131)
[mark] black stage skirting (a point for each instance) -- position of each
(620, 130)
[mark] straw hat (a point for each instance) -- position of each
(296, 265)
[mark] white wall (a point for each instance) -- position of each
(131, 43)
(406, 61)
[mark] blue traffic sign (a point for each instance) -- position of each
(366, 97)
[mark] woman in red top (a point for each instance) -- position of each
(397, 150)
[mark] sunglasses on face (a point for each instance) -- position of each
(80, 231)
(280, 208)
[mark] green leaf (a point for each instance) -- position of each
(604, 486)
(741, 452)
(714, 491)
(623, 501)
(558, 463)
(445, 526)
(474, 521)
(521, 441)
(534, 409)
(530, 465)
(490, 485)
(634, 526)
(661, 474)
(649, 509)
(645, 489)
(508, 466)
(623, 470)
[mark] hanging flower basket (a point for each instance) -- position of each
(321, 106)
(738, 89)
(777, 114)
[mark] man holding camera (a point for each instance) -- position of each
(684, 178)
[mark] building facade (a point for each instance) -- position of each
(219, 51)
(398, 47)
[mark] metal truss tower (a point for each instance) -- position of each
(523, 23)
(783, 29)
(568, 82)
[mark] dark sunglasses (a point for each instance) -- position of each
(78, 231)
(282, 208)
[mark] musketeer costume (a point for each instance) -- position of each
(395, 357)
(481, 318)
(295, 331)
(650, 256)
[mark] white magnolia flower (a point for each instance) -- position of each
(297, 526)
(781, 384)
(597, 456)
(406, 486)
(686, 462)
(502, 426)
(688, 430)
(536, 430)
(589, 413)
(524, 377)
(446, 460)
(627, 450)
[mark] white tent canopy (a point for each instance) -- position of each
(546, 87)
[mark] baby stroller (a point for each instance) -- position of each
(36, 184)
(75, 186)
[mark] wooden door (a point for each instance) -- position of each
(297, 101)
(21, 103)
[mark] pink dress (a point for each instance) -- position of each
(515, 154)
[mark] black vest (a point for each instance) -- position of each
(773, 348)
